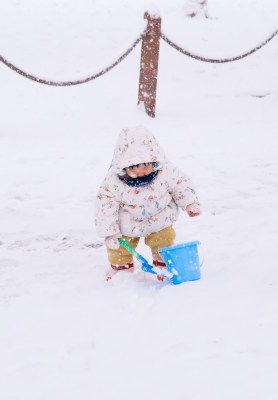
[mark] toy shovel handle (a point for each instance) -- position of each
(132, 251)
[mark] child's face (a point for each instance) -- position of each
(139, 170)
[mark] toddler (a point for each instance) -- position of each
(141, 197)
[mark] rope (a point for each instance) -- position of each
(216, 60)
(126, 53)
(71, 83)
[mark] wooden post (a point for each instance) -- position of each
(149, 64)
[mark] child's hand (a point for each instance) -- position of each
(112, 241)
(193, 209)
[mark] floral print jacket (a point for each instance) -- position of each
(140, 211)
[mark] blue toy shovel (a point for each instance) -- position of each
(145, 265)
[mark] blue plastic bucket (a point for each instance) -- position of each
(182, 261)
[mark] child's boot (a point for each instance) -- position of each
(117, 268)
(160, 264)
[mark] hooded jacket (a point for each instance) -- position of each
(140, 211)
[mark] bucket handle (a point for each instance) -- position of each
(202, 254)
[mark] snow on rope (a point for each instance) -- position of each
(72, 83)
(218, 60)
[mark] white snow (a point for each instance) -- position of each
(67, 334)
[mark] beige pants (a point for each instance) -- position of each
(155, 241)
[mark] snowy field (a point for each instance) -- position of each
(65, 333)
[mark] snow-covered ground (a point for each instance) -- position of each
(67, 334)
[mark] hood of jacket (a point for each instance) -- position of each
(135, 145)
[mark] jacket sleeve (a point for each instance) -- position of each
(181, 187)
(107, 210)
